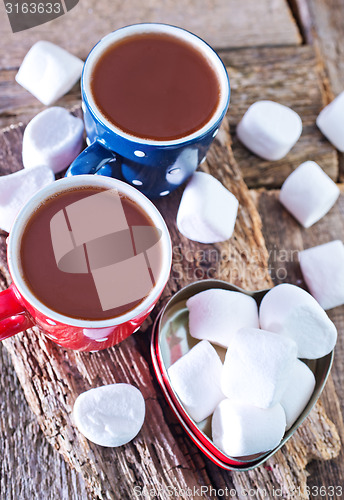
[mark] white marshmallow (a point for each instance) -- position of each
(240, 430)
(308, 193)
(292, 312)
(48, 71)
(207, 211)
(269, 129)
(110, 415)
(298, 392)
(330, 122)
(16, 189)
(195, 377)
(323, 271)
(216, 314)
(52, 138)
(257, 367)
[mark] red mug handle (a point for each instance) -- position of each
(13, 315)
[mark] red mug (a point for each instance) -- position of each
(21, 309)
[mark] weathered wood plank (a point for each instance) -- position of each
(17, 104)
(284, 238)
(223, 23)
(29, 465)
(325, 23)
(289, 76)
(161, 456)
(302, 16)
(328, 32)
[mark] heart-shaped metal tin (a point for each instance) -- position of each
(171, 340)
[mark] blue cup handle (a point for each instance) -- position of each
(96, 159)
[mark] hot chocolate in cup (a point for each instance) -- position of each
(154, 97)
(89, 258)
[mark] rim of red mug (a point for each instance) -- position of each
(24, 215)
(180, 33)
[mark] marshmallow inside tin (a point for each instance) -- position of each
(292, 312)
(195, 377)
(216, 314)
(257, 367)
(299, 389)
(240, 429)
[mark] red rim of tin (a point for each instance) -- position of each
(202, 441)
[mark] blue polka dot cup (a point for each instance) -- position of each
(155, 167)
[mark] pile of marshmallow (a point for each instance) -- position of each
(208, 211)
(269, 130)
(53, 138)
(262, 387)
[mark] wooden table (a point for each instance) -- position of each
(289, 52)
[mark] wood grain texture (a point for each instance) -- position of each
(161, 457)
(290, 76)
(29, 465)
(326, 18)
(283, 243)
(302, 15)
(18, 105)
(223, 23)
(325, 23)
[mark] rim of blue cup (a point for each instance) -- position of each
(180, 33)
